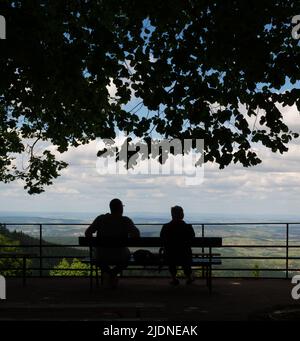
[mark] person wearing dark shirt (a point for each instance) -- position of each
(113, 260)
(177, 236)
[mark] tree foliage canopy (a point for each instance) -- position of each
(199, 69)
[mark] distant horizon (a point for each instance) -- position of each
(69, 215)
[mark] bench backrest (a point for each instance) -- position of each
(146, 242)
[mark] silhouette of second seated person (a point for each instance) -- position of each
(177, 236)
(113, 260)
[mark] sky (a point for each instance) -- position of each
(270, 189)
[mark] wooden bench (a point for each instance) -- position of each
(201, 259)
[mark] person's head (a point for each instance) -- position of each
(116, 207)
(177, 213)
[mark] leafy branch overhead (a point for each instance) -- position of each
(212, 70)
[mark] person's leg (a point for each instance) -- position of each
(187, 269)
(105, 268)
(170, 258)
(119, 268)
(115, 271)
(121, 261)
(106, 274)
(173, 272)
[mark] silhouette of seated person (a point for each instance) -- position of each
(177, 236)
(113, 260)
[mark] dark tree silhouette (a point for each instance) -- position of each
(199, 69)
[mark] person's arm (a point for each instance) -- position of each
(191, 232)
(163, 232)
(133, 231)
(92, 228)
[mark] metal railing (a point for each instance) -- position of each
(205, 230)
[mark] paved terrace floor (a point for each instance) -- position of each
(138, 299)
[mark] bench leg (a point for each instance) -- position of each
(91, 277)
(91, 268)
(207, 275)
(102, 282)
(209, 279)
(97, 276)
(24, 272)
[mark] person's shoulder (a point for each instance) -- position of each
(127, 220)
(102, 217)
(167, 225)
(165, 230)
(189, 228)
(188, 225)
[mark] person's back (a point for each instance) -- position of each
(177, 236)
(113, 226)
